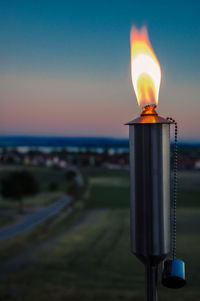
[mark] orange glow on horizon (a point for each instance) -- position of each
(145, 68)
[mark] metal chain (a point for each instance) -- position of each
(174, 186)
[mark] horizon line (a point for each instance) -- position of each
(42, 136)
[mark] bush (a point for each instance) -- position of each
(70, 175)
(53, 186)
(18, 184)
(73, 189)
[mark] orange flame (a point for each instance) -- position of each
(145, 68)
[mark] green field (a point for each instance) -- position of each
(6, 220)
(91, 259)
(94, 262)
(111, 189)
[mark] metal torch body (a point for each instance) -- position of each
(150, 191)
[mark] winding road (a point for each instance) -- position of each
(34, 219)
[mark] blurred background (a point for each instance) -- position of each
(65, 94)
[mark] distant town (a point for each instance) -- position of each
(92, 152)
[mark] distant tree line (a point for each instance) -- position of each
(17, 185)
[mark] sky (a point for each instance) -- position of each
(65, 65)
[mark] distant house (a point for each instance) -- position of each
(197, 164)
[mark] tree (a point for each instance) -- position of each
(74, 190)
(70, 175)
(18, 184)
(53, 186)
(74, 187)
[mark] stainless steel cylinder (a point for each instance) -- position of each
(150, 190)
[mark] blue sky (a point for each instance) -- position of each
(86, 43)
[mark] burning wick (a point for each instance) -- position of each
(149, 110)
(145, 68)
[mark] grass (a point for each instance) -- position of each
(105, 173)
(108, 197)
(44, 177)
(40, 200)
(43, 232)
(188, 198)
(6, 220)
(93, 261)
(189, 180)
(111, 189)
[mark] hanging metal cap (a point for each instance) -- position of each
(173, 273)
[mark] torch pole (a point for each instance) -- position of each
(151, 282)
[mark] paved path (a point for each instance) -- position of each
(34, 219)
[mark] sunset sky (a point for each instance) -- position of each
(65, 65)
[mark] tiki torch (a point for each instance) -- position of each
(149, 137)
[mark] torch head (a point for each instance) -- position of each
(149, 116)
